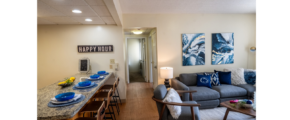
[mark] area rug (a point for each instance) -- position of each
(219, 112)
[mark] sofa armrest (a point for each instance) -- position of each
(177, 85)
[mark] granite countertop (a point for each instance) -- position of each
(45, 94)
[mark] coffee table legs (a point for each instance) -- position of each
(226, 115)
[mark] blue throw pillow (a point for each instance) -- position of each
(250, 76)
(224, 77)
(203, 80)
(214, 79)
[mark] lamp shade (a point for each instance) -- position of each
(166, 72)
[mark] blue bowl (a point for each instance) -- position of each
(84, 83)
(95, 76)
(65, 96)
(101, 72)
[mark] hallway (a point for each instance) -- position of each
(136, 77)
(139, 104)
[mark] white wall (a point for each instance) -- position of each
(171, 26)
(58, 57)
(134, 54)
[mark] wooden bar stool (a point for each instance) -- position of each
(100, 114)
(108, 87)
(102, 94)
(94, 105)
(115, 97)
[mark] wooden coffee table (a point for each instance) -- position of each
(247, 111)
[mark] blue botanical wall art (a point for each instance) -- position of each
(222, 48)
(193, 49)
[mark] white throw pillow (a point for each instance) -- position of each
(173, 96)
(237, 75)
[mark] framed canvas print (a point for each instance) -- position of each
(222, 48)
(193, 49)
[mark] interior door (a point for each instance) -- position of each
(154, 60)
(150, 74)
(143, 47)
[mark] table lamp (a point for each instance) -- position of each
(167, 73)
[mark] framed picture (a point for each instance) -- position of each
(193, 49)
(222, 48)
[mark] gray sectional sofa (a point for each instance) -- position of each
(210, 97)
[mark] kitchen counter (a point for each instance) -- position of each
(45, 94)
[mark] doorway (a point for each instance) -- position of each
(136, 58)
(147, 54)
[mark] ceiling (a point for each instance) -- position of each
(145, 31)
(187, 6)
(60, 12)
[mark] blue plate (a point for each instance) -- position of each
(101, 72)
(92, 84)
(84, 83)
(94, 76)
(65, 96)
(85, 89)
(66, 104)
(104, 73)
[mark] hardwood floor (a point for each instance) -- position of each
(139, 104)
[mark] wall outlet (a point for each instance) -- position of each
(111, 66)
(112, 61)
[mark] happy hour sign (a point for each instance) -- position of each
(95, 48)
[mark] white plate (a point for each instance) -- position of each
(101, 77)
(76, 97)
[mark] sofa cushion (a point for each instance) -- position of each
(204, 93)
(230, 91)
(186, 112)
(250, 89)
(188, 79)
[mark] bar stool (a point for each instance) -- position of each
(100, 114)
(94, 105)
(108, 87)
(102, 95)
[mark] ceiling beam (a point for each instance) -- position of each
(115, 10)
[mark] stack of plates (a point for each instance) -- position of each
(75, 98)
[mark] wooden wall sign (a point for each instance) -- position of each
(95, 48)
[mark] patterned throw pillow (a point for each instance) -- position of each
(203, 80)
(250, 76)
(214, 79)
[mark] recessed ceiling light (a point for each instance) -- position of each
(76, 11)
(89, 20)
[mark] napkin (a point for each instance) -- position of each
(76, 97)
